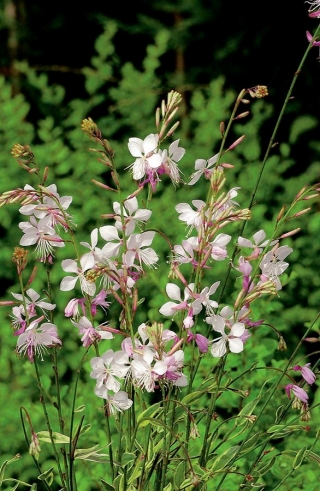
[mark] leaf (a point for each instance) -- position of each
(246, 411)
(127, 458)
(4, 465)
(47, 476)
(80, 409)
(152, 411)
(283, 430)
(44, 436)
(179, 474)
(301, 455)
(107, 486)
(223, 460)
(263, 469)
(250, 443)
(92, 454)
(194, 396)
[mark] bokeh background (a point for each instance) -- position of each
(62, 62)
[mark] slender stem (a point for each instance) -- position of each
(72, 479)
(47, 419)
(271, 394)
(269, 147)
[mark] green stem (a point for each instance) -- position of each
(269, 147)
(271, 394)
(47, 419)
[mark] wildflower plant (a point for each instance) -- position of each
(159, 382)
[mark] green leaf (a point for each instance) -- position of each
(250, 443)
(80, 409)
(127, 458)
(223, 460)
(301, 455)
(246, 411)
(144, 418)
(283, 430)
(47, 476)
(92, 454)
(44, 436)
(179, 474)
(4, 465)
(263, 469)
(194, 396)
(107, 486)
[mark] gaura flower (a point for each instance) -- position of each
(146, 155)
(37, 338)
(306, 373)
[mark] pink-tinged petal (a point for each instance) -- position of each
(109, 232)
(219, 348)
(155, 161)
(135, 147)
(131, 205)
(173, 291)
(237, 329)
(26, 240)
(68, 283)
(150, 143)
(235, 345)
(69, 265)
(168, 309)
(202, 343)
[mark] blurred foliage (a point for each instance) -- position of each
(121, 97)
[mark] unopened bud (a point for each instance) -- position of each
(311, 196)
(242, 115)
(222, 128)
(312, 340)
(103, 186)
(237, 142)
(281, 213)
(173, 128)
(282, 346)
(302, 212)
(288, 234)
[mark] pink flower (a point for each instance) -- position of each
(306, 373)
(89, 333)
(36, 339)
(41, 234)
(147, 157)
(299, 392)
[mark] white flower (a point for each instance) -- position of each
(95, 253)
(259, 241)
(272, 264)
(135, 245)
(68, 282)
(170, 159)
(218, 247)
(173, 292)
(132, 215)
(107, 367)
(117, 402)
(36, 339)
(219, 345)
(203, 167)
(42, 234)
(33, 301)
(146, 155)
(190, 216)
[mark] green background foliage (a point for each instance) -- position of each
(120, 90)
